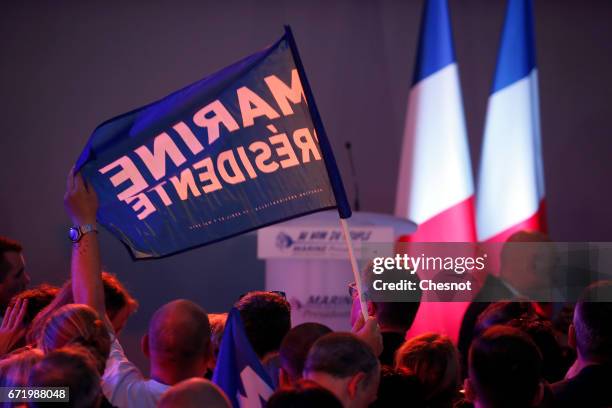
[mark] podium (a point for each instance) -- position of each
(307, 259)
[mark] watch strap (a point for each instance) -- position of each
(85, 228)
(81, 230)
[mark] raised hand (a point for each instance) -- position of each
(12, 328)
(80, 200)
(369, 331)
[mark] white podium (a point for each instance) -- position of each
(307, 259)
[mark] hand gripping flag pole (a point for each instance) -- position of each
(344, 209)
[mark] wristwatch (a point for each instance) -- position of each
(76, 233)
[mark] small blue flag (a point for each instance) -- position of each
(239, 150)
(238, 371)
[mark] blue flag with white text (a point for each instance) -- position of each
(238, 150)
(238, 371)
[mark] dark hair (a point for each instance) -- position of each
(71, 367)
(434, 360)
(505, 367)
(395, 385)
(502, 312)
(592, 322)
(296, 344)
(38, 298)
(116, 296)
(303, 394)
(267, 319)
(543, 335)
(341, 355)
(7, 245)
(397, 312)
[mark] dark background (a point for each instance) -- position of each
(65, 66)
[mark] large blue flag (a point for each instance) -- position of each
(235, 151)
(238, 371)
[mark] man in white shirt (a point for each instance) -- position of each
(178, 347)
(178, 339)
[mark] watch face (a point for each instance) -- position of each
(74, 234)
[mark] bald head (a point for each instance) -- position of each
(179, 332)
(194, 393)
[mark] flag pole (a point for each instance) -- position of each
(344, 209)
(354, 267)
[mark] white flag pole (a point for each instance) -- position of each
(356, 275)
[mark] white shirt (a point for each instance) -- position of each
(124, 385)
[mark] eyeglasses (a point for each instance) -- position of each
(277, 292)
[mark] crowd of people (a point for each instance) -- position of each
(514, 355)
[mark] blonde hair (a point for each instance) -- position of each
(15, 369)
(76, 324)
(434, 360)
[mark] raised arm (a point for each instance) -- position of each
(81, 204)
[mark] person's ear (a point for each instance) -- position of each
(144, 345)
(283, 378)
(470, 393)
(354, 383)
(571, 336)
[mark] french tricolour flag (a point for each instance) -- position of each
(435, 187)
(511, 179)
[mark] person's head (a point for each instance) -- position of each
(591, 331)
(391, 316)
(434, 360)
(267, 319)
(504, 370)
(346, 366)
(217, 326)
(543, 335)
(119, 304)
(38, 298)
(15, 369)
(396, 385)
(194, 393)
(527, 261)
(117, 301)
(76, 324)
(178, 341)
(502, 312)
(294, 349)
(71, 367)
(13, 275)
(303, 394)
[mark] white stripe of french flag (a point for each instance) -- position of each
(511, 178)
(435, 186)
